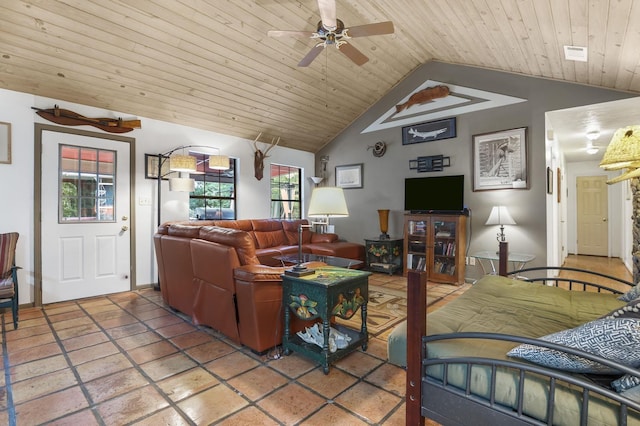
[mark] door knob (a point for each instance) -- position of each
(604, 219)
(124, 228)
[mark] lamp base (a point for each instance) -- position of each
(299, 271)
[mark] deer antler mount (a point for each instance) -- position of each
(259, 156)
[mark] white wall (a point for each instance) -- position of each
(17, 186)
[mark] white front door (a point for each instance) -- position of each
(592, 215)
(85, 216)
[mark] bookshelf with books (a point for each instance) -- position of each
(436, 243)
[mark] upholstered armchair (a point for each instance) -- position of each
(8, 274)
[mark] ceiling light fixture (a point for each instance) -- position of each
(591, 149)
(592, 135)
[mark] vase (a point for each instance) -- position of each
(383, 217)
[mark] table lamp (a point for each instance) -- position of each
(500, 216)
(326, 202)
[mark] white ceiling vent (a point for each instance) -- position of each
(575, 53)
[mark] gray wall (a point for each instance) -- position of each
(384, 177)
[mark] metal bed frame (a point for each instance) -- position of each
(438, 400)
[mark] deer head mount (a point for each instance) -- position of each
(259, 156)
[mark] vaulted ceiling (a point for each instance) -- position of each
(209, 63)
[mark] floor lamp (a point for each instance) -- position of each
(184, 164)
(500, 216)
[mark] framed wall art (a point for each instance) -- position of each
(500, 160)
(559, 182)
(349, 176)
(5, 143)
(429, 132)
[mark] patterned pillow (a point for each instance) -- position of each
(625, 382)
(616, 339)
(630, 310)
(634, 293)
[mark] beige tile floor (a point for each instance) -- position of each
(128, 359)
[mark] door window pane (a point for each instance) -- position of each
(87, 182)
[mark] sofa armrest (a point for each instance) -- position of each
(323, 238)
(256, 273)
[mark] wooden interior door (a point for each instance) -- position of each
(592, 215)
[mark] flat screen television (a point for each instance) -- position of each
(434, 194)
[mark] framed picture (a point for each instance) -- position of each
(559, 181)
(500, 160)
(429, 132)
(549, 180)
(349, 176)
(5, 143)
(151, 168)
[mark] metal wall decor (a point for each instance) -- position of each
(379, 148)
(432, 163)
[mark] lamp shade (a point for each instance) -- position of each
(328, 201)
(500, 216)
(182, 163)
(182, 184)
(219, 162)
(624, 149)
(629, 174)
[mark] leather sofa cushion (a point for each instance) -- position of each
(268, 233)
(268, 256)
(342, 249)
(241, 240)
(242, 224)
(324, 238)
(290, 228)
(186, 231)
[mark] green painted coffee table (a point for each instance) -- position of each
(329, 292)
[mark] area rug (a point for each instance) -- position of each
(387, 307)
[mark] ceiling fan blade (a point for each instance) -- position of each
(311, 56)
(354, 54)
(328, 14)
(371, 29)
(299, 34)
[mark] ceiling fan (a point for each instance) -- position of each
(331, 31)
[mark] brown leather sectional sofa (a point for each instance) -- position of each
(224, 274)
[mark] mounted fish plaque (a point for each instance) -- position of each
(432, 163)
(428, 132)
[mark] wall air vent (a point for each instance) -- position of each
(575, 53)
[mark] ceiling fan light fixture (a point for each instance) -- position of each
(592, 150)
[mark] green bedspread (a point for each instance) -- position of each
(502, 305)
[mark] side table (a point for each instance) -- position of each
(330, 291)
(518, 259)
(384, 255)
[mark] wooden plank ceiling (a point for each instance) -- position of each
(209, 63)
